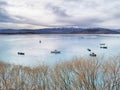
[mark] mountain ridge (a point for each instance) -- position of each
(61, 31)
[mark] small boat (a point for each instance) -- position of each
(93, 55)
(104, 47)
(89, 50)
(21, 53)
(40, 41)
(56, 52)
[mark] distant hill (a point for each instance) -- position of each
(99, 31)
(118, 30)
(60, 31)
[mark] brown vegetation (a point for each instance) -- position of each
(77, 74)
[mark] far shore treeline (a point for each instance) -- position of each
(61, 31)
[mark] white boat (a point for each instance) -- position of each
(56, 52)
(93, 55)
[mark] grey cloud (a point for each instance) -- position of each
(4, 16)
(96, 13)
(117, 15)
(2, 3)
(115, 12)
(24, 20)
(86, 22)
(57, 10)
(84, 3)
(108, 10)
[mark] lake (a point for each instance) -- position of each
(70, 45)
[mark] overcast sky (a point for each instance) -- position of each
(59, 13)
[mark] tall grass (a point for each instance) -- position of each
(76, 74)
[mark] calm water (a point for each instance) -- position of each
(70, 46)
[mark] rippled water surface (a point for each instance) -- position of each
(70, 46)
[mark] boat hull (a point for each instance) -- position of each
(56, 52)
